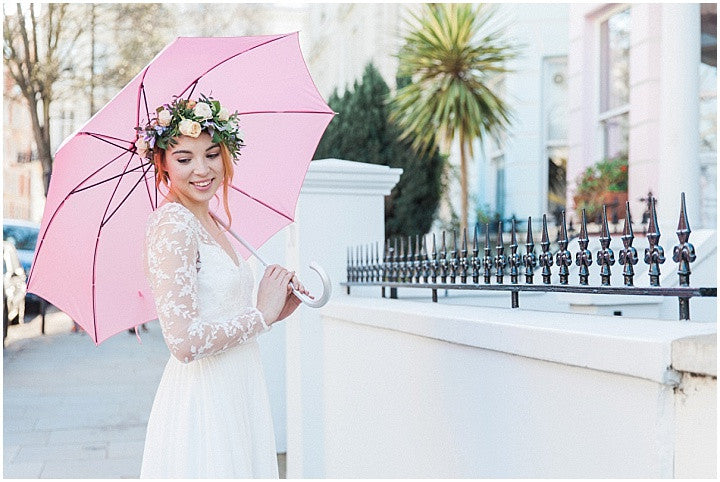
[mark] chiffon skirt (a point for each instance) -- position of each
(211, 419)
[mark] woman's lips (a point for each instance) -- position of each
(202, 185)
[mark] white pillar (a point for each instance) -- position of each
(679, 168)
(341, 204)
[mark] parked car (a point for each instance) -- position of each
(14, 288)
(23, 235)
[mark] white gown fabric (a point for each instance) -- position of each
(211, 415)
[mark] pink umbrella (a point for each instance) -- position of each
(88, 261)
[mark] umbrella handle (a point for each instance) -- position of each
(327, 288)
(327, 284)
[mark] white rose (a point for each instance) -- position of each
(164, 117)
(203, 111)
(189, 128)
(142, 146)
(223, 115)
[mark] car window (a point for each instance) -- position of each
(24, 237)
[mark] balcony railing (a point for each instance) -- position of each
(461, 269)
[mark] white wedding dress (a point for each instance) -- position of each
(211, 416)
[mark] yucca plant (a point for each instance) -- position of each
(452, 52)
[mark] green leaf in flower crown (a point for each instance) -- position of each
(216, 106)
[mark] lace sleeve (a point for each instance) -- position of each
(171, 254)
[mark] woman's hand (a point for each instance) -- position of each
(292, 301)
(275, 299)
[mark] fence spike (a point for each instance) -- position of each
(546, 258)
(500, 259)
(487, 260)
(424, 259)
(454, 258)
(529, 259)
(654, 253)
(464, 258)
(514, 258)
(475, 261)
(684, 252)
(628, 256)
(584, 257)
(605, 257)
(563, 256)
(443, 260)
(433, 261)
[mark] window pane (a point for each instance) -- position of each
(615, 67)
(555, 99)
(500, 185)
(557, 171)
(708, 108)
(616, 133)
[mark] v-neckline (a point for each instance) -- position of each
(212, 238)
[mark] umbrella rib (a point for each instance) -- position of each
(194, 83)
(42, 238)
(108, 179)
(104, 138)
(97, 240)
(260, 202)
(286, 112)
(105, 221)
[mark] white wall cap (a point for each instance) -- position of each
(349, 177)
(631, 346)
(696, 354)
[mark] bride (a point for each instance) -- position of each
(211, 415)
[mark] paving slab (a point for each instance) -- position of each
(75, 410)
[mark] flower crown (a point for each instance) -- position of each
(190, 118)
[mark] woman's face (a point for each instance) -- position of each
(195, 169)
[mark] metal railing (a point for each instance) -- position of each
(436, 270)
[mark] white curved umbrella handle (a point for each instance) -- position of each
(327, 285)
(327, 288)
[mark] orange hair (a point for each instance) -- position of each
(161, 176)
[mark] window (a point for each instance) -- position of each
(500, 192)
(615, 83)
(555, 130)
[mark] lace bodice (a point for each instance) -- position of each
(203, 299)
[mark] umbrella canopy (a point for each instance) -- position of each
(89, 254)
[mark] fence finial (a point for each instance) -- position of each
(584, 257)
(464, 258)
(443, 260)
(563, 256)
(454, 258)
(684, 252)
(433, 262)
(500, 259)
(529, 259)
(654, 254)
(605, 257)
(475, 261)
(487, 259)
(424, 259)
(628, 256)
(514, 258)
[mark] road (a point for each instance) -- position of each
(74, 410)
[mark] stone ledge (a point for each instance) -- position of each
(634, 347)
(696, 354)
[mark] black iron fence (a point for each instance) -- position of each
(461, 269)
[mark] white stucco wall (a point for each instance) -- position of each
(425, 390)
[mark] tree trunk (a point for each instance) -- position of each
(463, 184)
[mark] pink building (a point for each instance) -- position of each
(642, 83)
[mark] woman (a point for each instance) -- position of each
(211, 416)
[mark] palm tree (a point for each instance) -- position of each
(452, 52)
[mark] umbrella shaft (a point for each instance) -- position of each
(236, 236)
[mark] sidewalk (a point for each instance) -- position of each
(74, 410)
